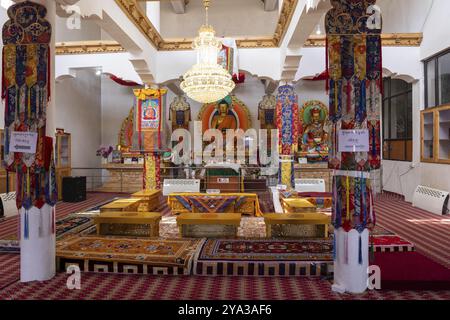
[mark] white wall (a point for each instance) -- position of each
(78, 111)
(436, 31)
(116, 102)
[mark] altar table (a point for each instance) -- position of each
(137, 224)
(297, 225)
(150, 197)
(208, 225)
(122, 205)
(244, 203)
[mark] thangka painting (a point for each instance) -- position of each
(150, 117)
(228, 113)
(225, 58)
(314, 131)
(26, 92)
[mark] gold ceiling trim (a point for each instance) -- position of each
(93, 47)
(388, 40)
(88, 47)
(135, 13)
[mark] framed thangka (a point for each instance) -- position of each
(150, 117)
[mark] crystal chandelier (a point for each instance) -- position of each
(207, 81)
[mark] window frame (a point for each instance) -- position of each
(435, 59)
(387, 84)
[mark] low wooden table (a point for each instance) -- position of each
(129, 205)
(295, 205)
(150, 197)
(211, 225)
(297, 225)
(138, 224)
(249, 206)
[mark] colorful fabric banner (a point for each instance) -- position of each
(26, 91)
(354, 62)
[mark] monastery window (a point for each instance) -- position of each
(397, 120)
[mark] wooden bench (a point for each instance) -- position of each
(122, 205)
(150, 198)
(138, 224)
(297, 225)
(209, 225)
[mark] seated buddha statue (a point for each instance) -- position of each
(315, 138)
(223, 120)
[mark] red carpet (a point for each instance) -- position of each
(430, 233)
(411, 271)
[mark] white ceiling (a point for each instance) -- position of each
(230, 18)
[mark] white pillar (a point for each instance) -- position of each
(37, 245)
(349, 274)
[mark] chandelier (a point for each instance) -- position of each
(207, 81)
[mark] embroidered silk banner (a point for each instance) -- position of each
(26, 91)
(355, 76)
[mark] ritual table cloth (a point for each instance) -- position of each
(245, 203)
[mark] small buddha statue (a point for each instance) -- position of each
(223, 120)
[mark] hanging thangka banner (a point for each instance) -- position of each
(26, 91)
(354, 67)
(150, 117)
(288, 125)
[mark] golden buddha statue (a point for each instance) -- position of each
(224, 120)
(314, 144)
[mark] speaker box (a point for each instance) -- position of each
(74, 189)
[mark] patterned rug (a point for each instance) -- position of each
(67, 226)
(75, 223)
(258, 257)
(127, 255)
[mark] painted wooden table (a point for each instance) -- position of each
(297, 225)
(150, 197)
(295, 205)
(129, 205)
(244, 203)
(208, 225)
(137, 224)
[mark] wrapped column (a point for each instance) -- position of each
(354, 68)
(26, 90)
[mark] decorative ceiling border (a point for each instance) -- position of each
(135, 13)
(387, 39)
(88, 47)
(93, 47)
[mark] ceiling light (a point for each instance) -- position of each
(207, 81)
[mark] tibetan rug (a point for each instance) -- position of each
(259, 257)
(127, 255)
(70, 225)
(387, 241)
